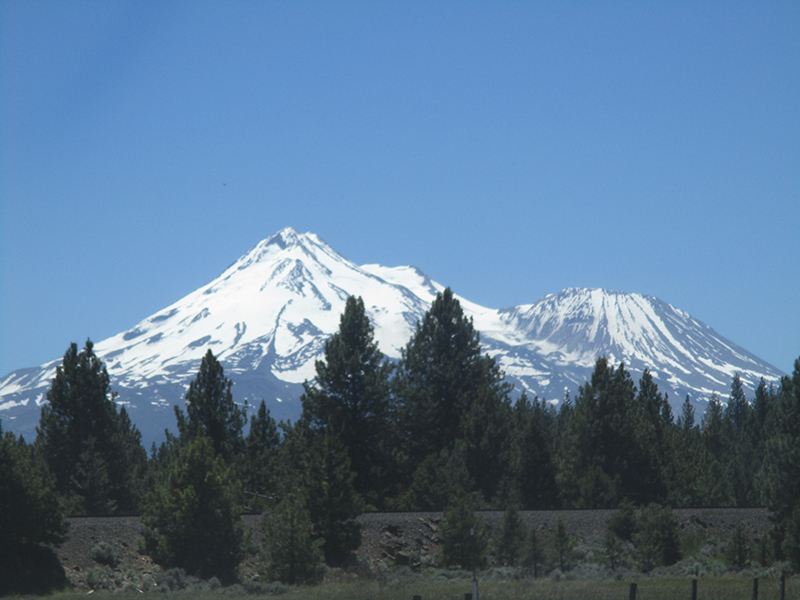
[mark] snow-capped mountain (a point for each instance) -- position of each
(267, 317)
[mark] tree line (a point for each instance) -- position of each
(436, 430)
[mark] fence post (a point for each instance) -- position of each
(632, 595)
(417, 597)
(755, 589)
(783, 586)
(694, 589)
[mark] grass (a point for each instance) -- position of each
(653, 588)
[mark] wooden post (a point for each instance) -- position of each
(783, 586)
(694, 589)
(417, 597)
(755, 589)
(632, 595)
(468, 596)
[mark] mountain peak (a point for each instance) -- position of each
(268, 315)
(286, 237)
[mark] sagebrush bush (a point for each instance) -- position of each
(103, 553)
(172, 579)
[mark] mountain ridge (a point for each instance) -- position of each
(266, 317)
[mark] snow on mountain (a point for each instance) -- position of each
(267, 316)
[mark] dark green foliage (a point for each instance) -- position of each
(193, 514)
(738, 548)
(533, 555)
(211, 412)
(295, 555)
(780, 473)
(261, 450)
(791, 539)
(315, 467)
(686, 420)
(30, 569)
(510, 540)
(738, 409)
(30, 515)
(464, 538)
(657, 537)
(532, 455)
(623, 522)
(351, 395)
(610, 440)
(612, 549)
(447, 390)
(30, 511)
(93, 450)
(438, 479)
(333, 502)
(563, 544)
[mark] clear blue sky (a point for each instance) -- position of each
(507, 149)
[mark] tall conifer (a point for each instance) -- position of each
(351, 396)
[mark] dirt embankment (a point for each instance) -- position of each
(406, 538)
(391, 538)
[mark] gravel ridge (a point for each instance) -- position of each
(406, 538)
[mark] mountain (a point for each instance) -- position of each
(267, 316)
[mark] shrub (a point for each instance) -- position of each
(612, 550)
(172, 579)
(623, 522)
(103, 553)
(265, 589)
(657, 537)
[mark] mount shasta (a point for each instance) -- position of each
(267, 316)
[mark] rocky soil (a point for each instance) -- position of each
(403, 539)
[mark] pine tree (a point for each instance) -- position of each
(686, 420)
(438, 479)
(779, 477)
(193, 515)
(333, 502)
(563, 544)
(657, 537)
(30, 515)
(487, 436)
(511, 538)
(649, 459)
(442, 374)
(351, 395)
(534, 553)
(738, 408)
(295, 555)
(533, 454)
(30, 512)
(261, 447)
(464, 539)
(211, 412)
(601, 460)
(94, 451)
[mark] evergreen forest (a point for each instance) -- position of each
(436, 430)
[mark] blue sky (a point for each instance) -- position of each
(507, 149)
